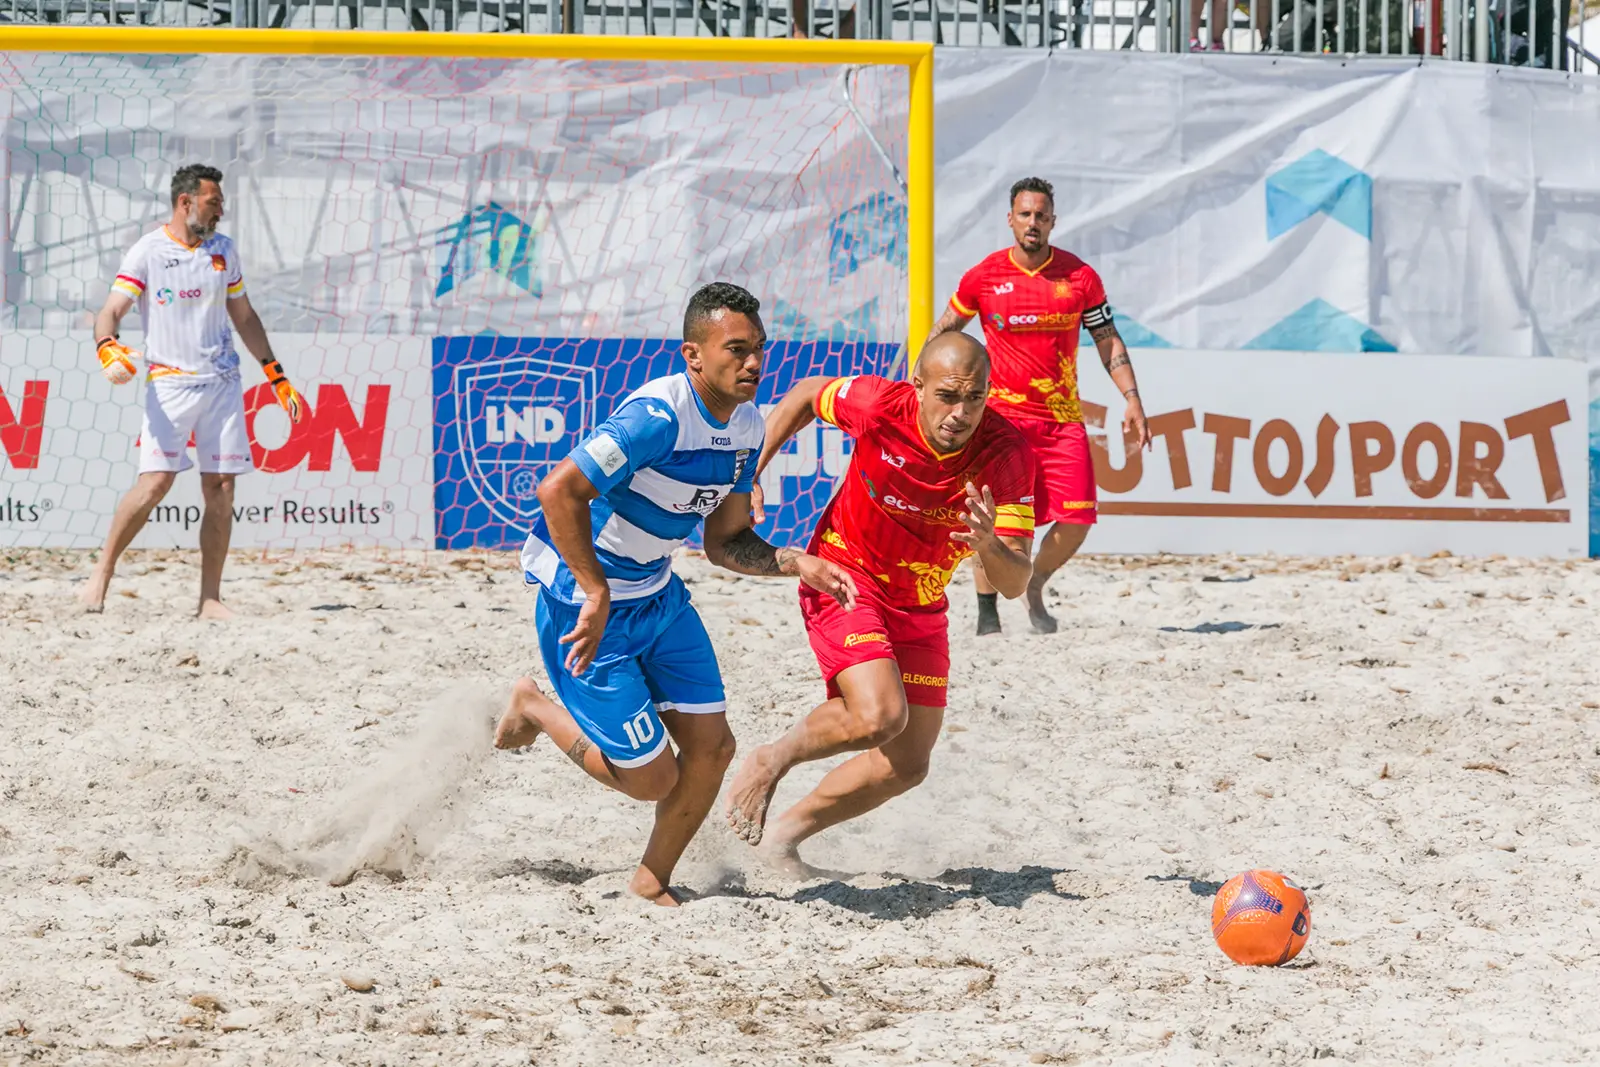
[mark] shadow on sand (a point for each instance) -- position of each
(911, 898)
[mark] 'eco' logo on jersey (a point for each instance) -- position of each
(163, 297)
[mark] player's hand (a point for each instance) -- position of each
(980, 518)
(586, 633)
(758, 514)
(116, 361)
(829, 578)
(1134, 422)
(287, 397)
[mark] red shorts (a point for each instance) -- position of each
(1065, 489)
(918, 641)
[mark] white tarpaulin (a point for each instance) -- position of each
(1271, 203)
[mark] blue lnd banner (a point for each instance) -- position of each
(508, 409)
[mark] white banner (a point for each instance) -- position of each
(1278, 203)
(357, 470)
(1309, 454)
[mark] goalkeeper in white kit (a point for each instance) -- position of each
(188, 284)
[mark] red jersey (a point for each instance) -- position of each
(1030, 322)
(892, 518)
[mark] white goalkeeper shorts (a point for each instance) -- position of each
(213, 412)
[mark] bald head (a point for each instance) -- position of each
(953, 353)
(952, 384)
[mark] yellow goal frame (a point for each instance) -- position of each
(916, 56)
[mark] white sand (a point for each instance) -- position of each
(174, 795)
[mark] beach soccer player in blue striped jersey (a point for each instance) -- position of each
(625, 652)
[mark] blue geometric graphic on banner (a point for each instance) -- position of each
(508, 409)
(1594, 477)
(1134, 335)
(1321, 327)
(875, 227)
(1317, 183)
(790, 323)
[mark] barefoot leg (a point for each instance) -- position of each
(705, 748)
(871, 711)
(859, 784)
(133, 511)
(216, 530)
(518, 727)
(1057, 547)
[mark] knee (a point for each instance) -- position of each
(713, 752)
(154, 485)
(720, 754)
(911, 773)
(217, 487)
(525, 688)
(903, 771)
(654, 781)
(880, 721)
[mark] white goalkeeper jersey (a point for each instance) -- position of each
(183, 293)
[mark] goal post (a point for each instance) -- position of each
(466, 248)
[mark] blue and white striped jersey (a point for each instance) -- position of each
(661, 464)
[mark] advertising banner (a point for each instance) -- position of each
(355, 470)
(1307, 454)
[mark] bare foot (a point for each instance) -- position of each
(93, 597)
(751, 792)
(647, 886)
(518, 727)
(784, 857)
(214, 610)
(1043, 622)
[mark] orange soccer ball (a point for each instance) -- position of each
(1260, 918)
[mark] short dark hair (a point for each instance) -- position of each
(188, 179)
(710, 299)
(1032, 185)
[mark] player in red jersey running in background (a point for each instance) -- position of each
(1032, 299)
(934, 478)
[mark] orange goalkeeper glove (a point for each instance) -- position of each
(287, 397)
(116, 361)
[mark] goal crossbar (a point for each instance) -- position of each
(917, 57)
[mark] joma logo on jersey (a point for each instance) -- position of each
(704, 502)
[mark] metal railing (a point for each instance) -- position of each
(1563, 34)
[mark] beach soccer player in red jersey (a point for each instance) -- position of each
(1032, 300)
(934, 478)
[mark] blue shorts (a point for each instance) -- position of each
(655, 655)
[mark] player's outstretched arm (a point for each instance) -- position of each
(732, 543)
(1114, 356)
(564, 494)
(952, 321)
(1007, 561)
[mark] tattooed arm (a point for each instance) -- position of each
(1114, 356)
(951, 321)
(732, 543)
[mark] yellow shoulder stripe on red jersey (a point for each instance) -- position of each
(1014, 518)
(955, 302)
(826, 398)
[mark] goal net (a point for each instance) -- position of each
(463, 264)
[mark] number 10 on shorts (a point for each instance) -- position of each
(641, 729)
